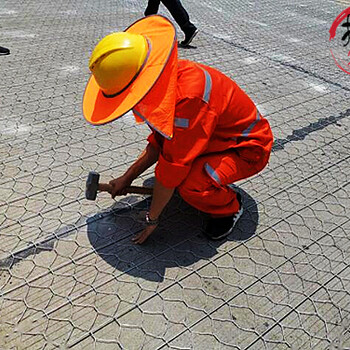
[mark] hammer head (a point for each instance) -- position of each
(92, 185)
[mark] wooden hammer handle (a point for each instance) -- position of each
(103, 187)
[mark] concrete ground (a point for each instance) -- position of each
(70, 276)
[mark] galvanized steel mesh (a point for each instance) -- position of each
(70, 276)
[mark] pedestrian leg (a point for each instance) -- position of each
(182, 19)
(152, 7)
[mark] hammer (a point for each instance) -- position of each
(92, 186)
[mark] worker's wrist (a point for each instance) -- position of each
(127, 179)
(151, 221)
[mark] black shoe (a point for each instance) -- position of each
(4, 51)
(219, 228)
(189, 36)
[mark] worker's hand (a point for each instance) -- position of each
(119, 186)
(143, 235)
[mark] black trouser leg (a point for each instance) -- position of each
(152, 7)
(180, 14)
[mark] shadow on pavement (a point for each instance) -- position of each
(177, 242)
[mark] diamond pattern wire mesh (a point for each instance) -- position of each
(70, 276)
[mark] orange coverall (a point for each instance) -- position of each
(219, 138)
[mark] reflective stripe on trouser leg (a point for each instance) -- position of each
(230, 166)
(204, 193)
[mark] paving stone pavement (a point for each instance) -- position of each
(70, 276)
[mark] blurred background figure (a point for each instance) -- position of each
(179, 14)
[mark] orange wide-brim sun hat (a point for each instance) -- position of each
(160, 66)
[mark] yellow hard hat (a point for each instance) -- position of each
(150, 85)
(116, 61)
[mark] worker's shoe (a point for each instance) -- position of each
(4, 51)
(219, 228)
(189, 36)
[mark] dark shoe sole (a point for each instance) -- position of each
(188, 42)
(216, 238)
(236, 217)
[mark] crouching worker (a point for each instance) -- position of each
(206, 132)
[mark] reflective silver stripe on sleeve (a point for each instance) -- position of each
(207, 87)
(181, 122)
(247, 131)
(212, 173)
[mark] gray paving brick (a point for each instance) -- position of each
(70, 276)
